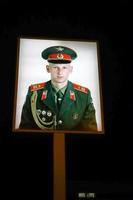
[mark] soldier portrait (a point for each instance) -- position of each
(49, 96)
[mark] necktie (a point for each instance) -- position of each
(59, 99)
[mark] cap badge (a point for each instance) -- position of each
(60, 48)
(60, 56)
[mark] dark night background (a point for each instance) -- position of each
(94, 163)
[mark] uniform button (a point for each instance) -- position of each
(60, 122)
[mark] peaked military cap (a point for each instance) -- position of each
(59, 54)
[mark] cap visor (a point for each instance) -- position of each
(59, 61)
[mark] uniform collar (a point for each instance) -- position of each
(50, 98)
(55, 89)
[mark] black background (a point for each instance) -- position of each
(94, 163)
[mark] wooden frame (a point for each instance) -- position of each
(87, 66)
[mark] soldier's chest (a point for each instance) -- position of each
(69, 109)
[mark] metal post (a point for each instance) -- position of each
(59, 185)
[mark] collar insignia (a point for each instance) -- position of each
(44, 95)
(72, 95)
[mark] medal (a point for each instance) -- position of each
(43, 112)
(49, 113)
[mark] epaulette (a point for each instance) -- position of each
(37, 86)
(80, 88)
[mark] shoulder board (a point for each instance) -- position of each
(80, 88)
(37, 86)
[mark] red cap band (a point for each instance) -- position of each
(59, 56)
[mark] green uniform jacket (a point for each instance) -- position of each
(40, 110)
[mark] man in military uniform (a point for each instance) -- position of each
(58, 103)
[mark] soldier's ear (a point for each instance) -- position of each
(48, 68)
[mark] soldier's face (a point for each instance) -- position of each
(59, 72)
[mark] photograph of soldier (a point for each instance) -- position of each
(58, 104)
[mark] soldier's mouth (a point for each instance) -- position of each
(59, 76)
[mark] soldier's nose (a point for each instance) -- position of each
(59, 70)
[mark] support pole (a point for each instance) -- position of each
(59, 184)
